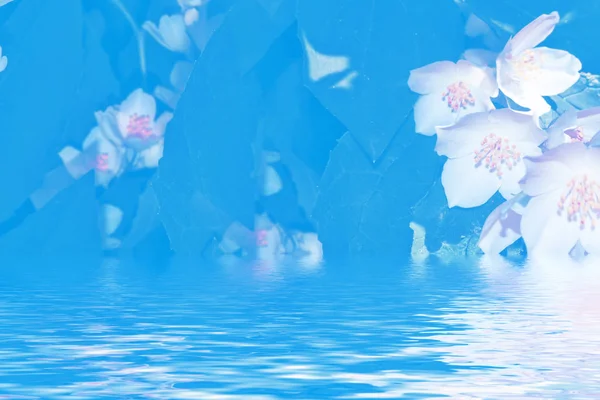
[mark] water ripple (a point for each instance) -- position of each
(480, 330)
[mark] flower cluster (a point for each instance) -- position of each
(130, 136)
(550, 177)
(186, 33)
(127, 137)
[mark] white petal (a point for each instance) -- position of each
(191, 3)
(191, 16)
(466, 185)
(161, 123)
(180, 74)
(150, 157)
(516, 126)
(107, 122)
(167, 96)
(592, 162)
(109, 162)
(466, 135)
(501, 229)
(460, 139)
(573, 155)
(533, 33)
(309, 243)
(478, 79)
(556, 132)
(432, 78)
(113, 216)
(107, 157)
(272, 182)
(558, 71)
(511, 177)
(544, 175)
(69, 156)
(544, 230)
(432, 111)
(174, 33)
(138, 102)
(3, 63)
(514, 88)
(154, 31)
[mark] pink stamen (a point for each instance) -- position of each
(261, 238)
(458, 96)
(102, 162)
(581, 202)
(495, 153)
(526, 65)
(139, 126)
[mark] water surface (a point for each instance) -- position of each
(477, 329)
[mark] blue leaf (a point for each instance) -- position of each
(68, 225)
(205, 180)
(361, 53)
(44, 47)
(364, 209)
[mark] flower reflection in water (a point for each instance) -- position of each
(490, 330)
(535, 332)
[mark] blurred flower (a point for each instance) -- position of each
(179, 76)
(110, 157)
(485, 152)
(200, 26)
(448, 92)
(150, 157)
(189, 9)
(171, 32)
(187, 4)
(526, 73)
(111, 218)
(191, 16)
(135, 120)
(261, 238)
(310, 249)
(268, 235)
(574, 126)
(100, 154)
(3, 61)
(564, 184)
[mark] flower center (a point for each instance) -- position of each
(576, 134)
(458, 96)
(526, 65)
(261, 238)
(139, 126)
(496, 153)
(581, 202)
(102, 162)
